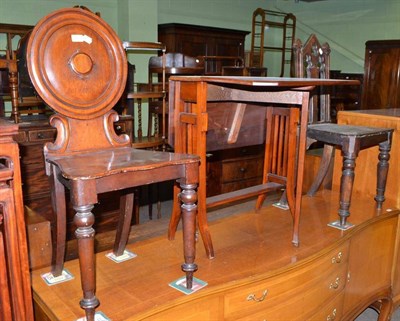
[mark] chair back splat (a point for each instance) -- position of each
(312, 60)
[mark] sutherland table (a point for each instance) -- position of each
(188, 125)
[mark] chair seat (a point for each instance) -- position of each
(106, 162)
(336, 134)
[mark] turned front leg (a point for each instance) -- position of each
(188, 197)
(84, 220)
(382, 172)
(346, 186)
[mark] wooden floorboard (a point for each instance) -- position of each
(246, 244)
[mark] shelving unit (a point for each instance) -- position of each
(268, 26)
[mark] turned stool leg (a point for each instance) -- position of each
(350, 153)
(84, 220)
(188, 196)
(382, 171)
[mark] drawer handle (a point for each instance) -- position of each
(40, 135)
(332, 316)
(335, 285)
(337, 258)
(252, 297)
(242, 169)
(118, 127)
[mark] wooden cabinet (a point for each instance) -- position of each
(233, 169)
(193, 40)
(15, 294)
(257, 274)
(279, 297)
(332, 285)
(381, 88)
(345, 97)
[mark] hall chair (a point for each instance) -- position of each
(312, 60)
(88, 67)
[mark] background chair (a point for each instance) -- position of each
(312, 61)
(156, 94)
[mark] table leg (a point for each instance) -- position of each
(84, 220)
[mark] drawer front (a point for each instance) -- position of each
(329, 311)
(42, 135)
(242, 169)
(292, 295)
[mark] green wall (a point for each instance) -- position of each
(345, 24)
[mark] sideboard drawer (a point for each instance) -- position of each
(294, 296)
(329, 311)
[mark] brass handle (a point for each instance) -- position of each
(118, 127)
(242, 169)
(337, 258)
(332, 316)
(335, 284)
(252, 297)
(40, 135)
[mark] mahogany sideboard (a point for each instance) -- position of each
(257, 274)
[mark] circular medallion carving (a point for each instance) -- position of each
(77, 63)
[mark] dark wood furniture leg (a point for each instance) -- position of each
(326, 160)
(84, 220)
(382, 171)
(59, 226)
(350, 152)
(124, 223)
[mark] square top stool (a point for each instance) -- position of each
(351, 139)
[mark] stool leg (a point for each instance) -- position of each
(188, 197)
(84, 220)
(346, 184)
(382, 172)
(124, 223)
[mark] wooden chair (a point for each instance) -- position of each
(175, 64)
(78, 66)
(312, 61)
